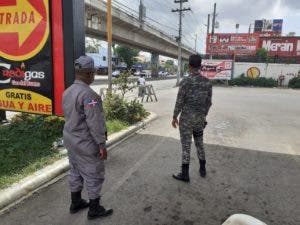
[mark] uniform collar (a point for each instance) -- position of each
(195, 74)
(80, 82)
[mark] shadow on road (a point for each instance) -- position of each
(140, 188)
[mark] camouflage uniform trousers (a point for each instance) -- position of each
(191, 124)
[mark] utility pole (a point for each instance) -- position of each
(214, 19)
(196, 39)
(142, 14)
(208, 24)
(109, 45)
(180, 10)
(207, 33)
(213, 25)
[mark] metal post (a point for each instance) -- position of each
(109, 44)
(2, 116)
(180, 10)
(141, 11)
(213, 26)
(179, 45)
(208, 24)
(196, 39)
(214, 19)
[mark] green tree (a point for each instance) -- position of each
(127, 54)
(169, 65)
(170, 62)
(92, 45)
(124, 83)
(90, 49)
(262, 54)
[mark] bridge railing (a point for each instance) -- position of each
(134, 14)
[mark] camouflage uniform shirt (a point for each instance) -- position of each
(194, 96)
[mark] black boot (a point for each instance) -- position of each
(184, 175)
(97, 211)
(202, 169)
(77, 202)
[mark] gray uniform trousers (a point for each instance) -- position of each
(84, 132)
(191, 124)
(85, 167)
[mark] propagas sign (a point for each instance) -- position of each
(26, 80)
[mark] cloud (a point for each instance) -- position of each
(230, 12)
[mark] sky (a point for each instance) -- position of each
(229, 13)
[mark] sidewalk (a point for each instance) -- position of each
(27, 186)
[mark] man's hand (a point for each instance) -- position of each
(175, 122)
(103, 153)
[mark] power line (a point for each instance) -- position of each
(161, 24)
(166, 18)
(119, 4)
(162, 3)
(180, 10)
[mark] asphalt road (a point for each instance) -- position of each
(252, 145)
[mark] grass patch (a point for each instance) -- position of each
(255, 82)
(26, 145)
(294, 82)
(114, 126)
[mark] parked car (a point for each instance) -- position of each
(137, 73)
(163, 73)
(116, 73)
(144, 73)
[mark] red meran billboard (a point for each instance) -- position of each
(281, 46)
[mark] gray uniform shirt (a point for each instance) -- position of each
(85, 123)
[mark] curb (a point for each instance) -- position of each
(104, 81)
(30, 184)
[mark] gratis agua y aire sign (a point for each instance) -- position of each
(26, 82)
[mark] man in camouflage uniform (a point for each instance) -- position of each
(85, 139)
(193, 103)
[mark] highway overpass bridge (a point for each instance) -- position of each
(127, 29)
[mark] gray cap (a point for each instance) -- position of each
(84, 64)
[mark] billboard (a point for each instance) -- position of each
(26, 82)
(229, 44)
(277, 25)
(268, 26)
(281, 46)
(258, 26)
(217, 69)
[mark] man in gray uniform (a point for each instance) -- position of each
(85, 137)
(193, 103)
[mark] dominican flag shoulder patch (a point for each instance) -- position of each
(92, 102)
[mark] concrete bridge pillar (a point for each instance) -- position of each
(185, 66)
(154, 64)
